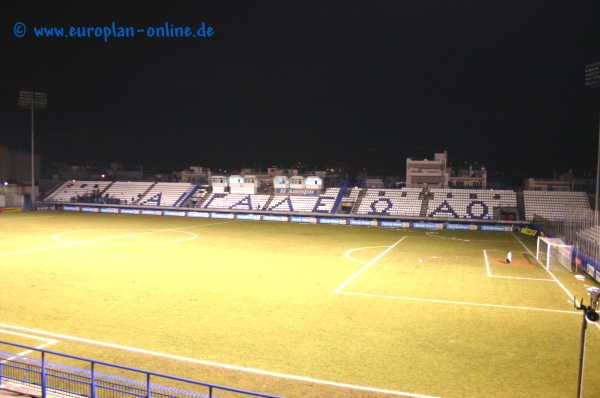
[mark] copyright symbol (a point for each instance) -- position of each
(20, 29)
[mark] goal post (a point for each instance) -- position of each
(554, 254)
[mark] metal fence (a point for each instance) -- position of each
(77, 382)
(580, 229)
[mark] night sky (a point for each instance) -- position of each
(369, 83)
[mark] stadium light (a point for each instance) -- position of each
(589, 316)
(32, 100)
(592, 79)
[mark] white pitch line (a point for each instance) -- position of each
(107, 238)
(368, 265)
(489, 272)
(22, 354)
(359, 248)
(216, 364)
(459, 303)
(522, 278)
(30, 336)
(46, 344)
(548, 271)
(487, 265)
(571, 296)
(459, 240)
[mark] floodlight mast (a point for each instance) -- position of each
(592, 79)
(589, 315)
(32, 100)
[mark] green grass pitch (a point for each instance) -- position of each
(320, 310)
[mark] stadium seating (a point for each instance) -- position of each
(166, 194)
(552, 205)
(396, 202)
(235, 201)
(353, 195)
(469, 203)
(332, 192)
(71, 189)
(126, 191)
(590, 234)
(411, 202)
(303, 204)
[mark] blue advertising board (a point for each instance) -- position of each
(299, 219)
(198, 214)
(173, 213)
(219, 215)
(70, 208)
(497, 228)
(394, 224)
(336, 221)
(88, 209)
(274, 218)
(245, 216)
(461, 227)
(367, 223)
(127, 211)
(151, 212)
(427, 225)
(299, 192)
(107, 210)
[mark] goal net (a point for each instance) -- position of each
(554, 254)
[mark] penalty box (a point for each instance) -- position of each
(455, 271)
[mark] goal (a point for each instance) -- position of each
(554, 254)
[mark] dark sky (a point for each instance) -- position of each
(366, 82)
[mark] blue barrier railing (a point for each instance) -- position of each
(72, 381)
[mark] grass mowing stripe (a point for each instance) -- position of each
(368, 265)
(222, 365)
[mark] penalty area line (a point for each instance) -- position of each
(216, 364)
(368, 265)
(489, 272)
(459, 303)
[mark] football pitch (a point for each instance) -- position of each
(297, 310)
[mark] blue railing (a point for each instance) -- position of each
(78, 382)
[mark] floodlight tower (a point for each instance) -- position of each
(32, 100)
(592, 79)
(589, 316)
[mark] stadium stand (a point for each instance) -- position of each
(235, 201)
(552, 205)
(71, 189)
(128, 191)
(166, 194)
(332, 192)
(469, 203)
(397, 202)
(590, 234)
(353, 195)
(412, 202)
(302, 204)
